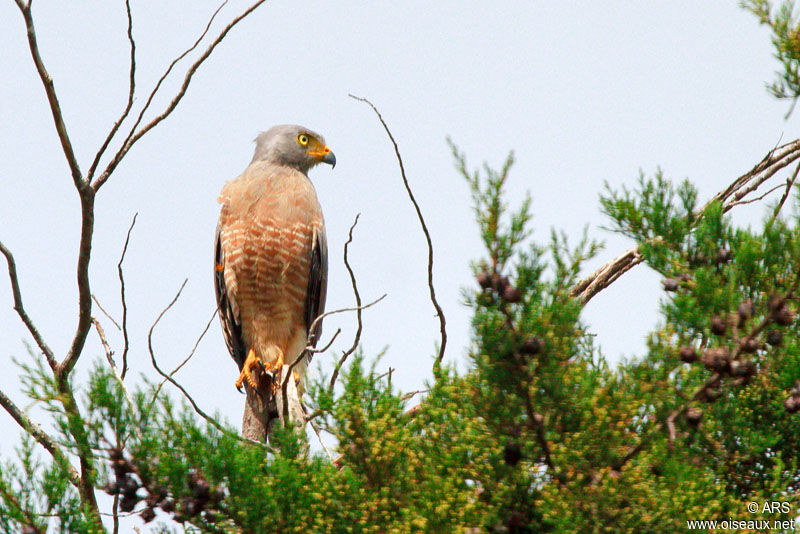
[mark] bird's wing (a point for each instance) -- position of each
(226, 306)
(317, 284)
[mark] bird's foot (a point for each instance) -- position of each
(251, 363)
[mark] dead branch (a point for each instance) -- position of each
(20, 309)
(603, 277)
(134, 136)
(191, 353)
(439, 312)
(122, 298)
(789, 184)
(314, 350)
(315, 427)
(759, 197)
(128, 106)
(108, 316)
(52, 99)
(213, 422)
(87, 196)
(729, 197)
(169, 69)
(110, 359)
(357, 337)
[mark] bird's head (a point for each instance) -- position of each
(293, 146)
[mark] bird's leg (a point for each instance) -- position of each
(250, 364)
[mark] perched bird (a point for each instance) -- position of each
(271, 254)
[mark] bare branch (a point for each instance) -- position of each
(169, 69)
(189, 357)
(52, 99)
(87, 196)
(122, 298)
(729, 197)
(134, 137)
(341, 310)
(357, 337)
(789, 184)
(439, 312)
(128, 106)
(213, 422)
(110, 359)
(759, 197)
(20, 309)
(42, 438)
(108, 316)
(603, 277)
(315, 427)
(412, 394)
(314, 350)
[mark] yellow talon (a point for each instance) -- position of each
(250, 364)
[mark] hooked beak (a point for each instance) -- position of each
(328, 157)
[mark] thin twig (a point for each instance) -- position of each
(313, 350)
(319, 437)
(169, 69)
(131, 91)
(134, 137)
(52, 99)
(347, 353)
(189, 357)
(108, 316)
(122, 298)
(789, 184)
(412, 394)
(110, 359)
(357, 337)
(304, 354)
(439, 311)
(756, 199)
(20, 309)
(213, 422)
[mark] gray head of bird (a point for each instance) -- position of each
(293, 146)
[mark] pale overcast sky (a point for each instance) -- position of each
(582, 91)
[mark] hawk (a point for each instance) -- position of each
(271, 254)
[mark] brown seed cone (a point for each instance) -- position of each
(511, 294)
(484, 280)
(784, 316)
(670, 284)
(792, 404)
(718, 325)
(687, 354)
(774, 338)
(694, 415)
(531, 346)
(717, 359)
(750, 345)
(742, 368)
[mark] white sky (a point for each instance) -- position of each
(583, 92)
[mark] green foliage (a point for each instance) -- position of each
(786, 39)
(540, 434)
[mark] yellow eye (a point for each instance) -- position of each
(302, 139)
